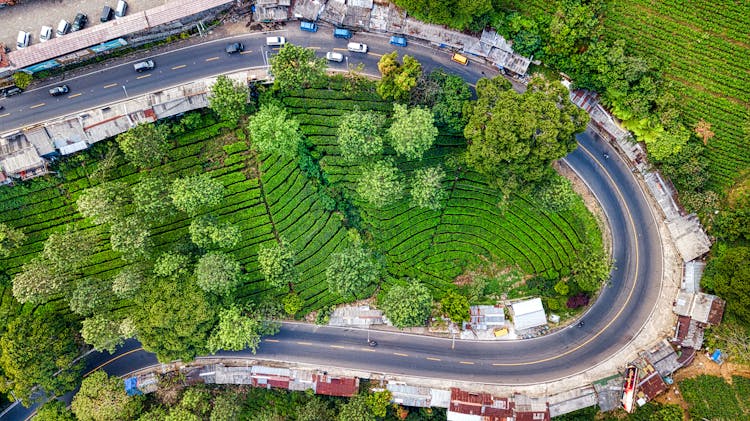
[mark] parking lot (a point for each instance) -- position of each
(33, 14)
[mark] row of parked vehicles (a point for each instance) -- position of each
(79, 22)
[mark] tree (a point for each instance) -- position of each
(397, 80)
(412, 132)
(407, 305)
(453, 95)
(378, 402)
(427, 188)
(240, 329)
(574, 25)
(316, 409)
(380, 183)
(196, 400)
(128, 280)
(10, 238)
(151, 198)
(175, 318)
(228, 98)
(181, 414)
(273, 130)
(292, 303)
(38, 350)
(102, 332)
(359, 135)
(145, 145)
(196, 193)
(277, 264)
(514, 137)
(590, 268)
(296, 67)
(351, 270)
(206, 232)
(37, 282)
(356, 409)
(54, 410)
(456, 307)
(728, 276)
(104, 203)
(557, 194)
(67, 251)
(22, 79)
(131, 237)
(89, 296)
(172, 265)
(103, 398)
(227, 407)
(217, 273)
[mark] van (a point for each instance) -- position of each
(308, 26)
(12, 91)
(235, 47)
(357, 47)
(275, 41)
(63, 27)
(107, 13)
(333, 56)
(460, 59)
(79, 22)
(342, 33)
(45, 34)
(143, 66)
(121, 9)
(23, 40)
(398, 41)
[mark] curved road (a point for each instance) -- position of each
(613, 320)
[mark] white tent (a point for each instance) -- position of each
(528, 314)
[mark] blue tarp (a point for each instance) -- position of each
(131, 386)
(717, 357)
(109, 45)
(45, 65)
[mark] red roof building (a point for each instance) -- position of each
(335, 386)
(469, 403)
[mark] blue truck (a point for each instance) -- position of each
(342, 33)
(308, 26)
(398, 41)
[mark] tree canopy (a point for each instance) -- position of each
(240, 328)
(728, 275)
(218, 273)
(296, 67)
(407, 305)
(10, 238)
(196, 193)
(452, 96)
(54, 410)
(456, 307)
(277, 264)
(103, 398)
(380, 183)
(151, 198)
(351, 270)
(102, 332)
(145, 145)
(272, 130)
(412, 132)
(427, 188)
(397, 80)
(228, 98)
(207, 232)
(105, 202)
(359, 135)
(514, 137)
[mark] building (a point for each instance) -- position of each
(701, 307)
(484, 317)
(528, 314)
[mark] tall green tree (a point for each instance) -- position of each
(380, 183)
(454, 93)
(90, 295)
(296, 67)
(728, 275)
(218, 273)
(54, 410)
(145, 145)
(277, 264)
(356, 409)
(105, 202)
(151, 198)
(456, 307)
(591, 268)
(228, 98)
(272, 130)
(427, 188)
(207, 232)
(227, 407)
(407, 305)
(131, 237)
(240, 328)
(351, 270)
(412, 132)
(37, 282)
(396, 79)
(128, 280)
(10, 238)
(174, 318)
(316, 409)
(196, 193)
(103, 398)
(359, 135)
(172, 265)
(69, 250)
(102, 332)
(39, 349)
(514, 137)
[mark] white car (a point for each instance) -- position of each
(332, 56)
(357, 47)
(275, 41)
(45, 34)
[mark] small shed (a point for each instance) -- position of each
(528, 314)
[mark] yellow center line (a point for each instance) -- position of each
(314, 48)
(400, 354)
(113, 359)
(340, 49)
(367, 349)
(38, 105)
(433, 359)
(304, 343)
(179, 67)
(75, 95)
(271, 340)
(375, 54)
(144, 76)
(110, 85)
(4, 115)
(246, 52)
(338, 346)
(212, 58)
(466, 362)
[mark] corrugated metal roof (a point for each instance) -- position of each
(528, 314)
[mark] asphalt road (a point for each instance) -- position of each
(613, 320)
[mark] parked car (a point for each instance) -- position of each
(342, 33)
(45, 34)
(23, 40)
(357, 47)
(63, 27)
(308, 26)
(121, 9)
(460, 59)
(79, 22)
(275, 41)
(12, 91)
(59, 90)
(398, 41)
(235, 47)
(107, 14)
(142, 66)
(333, 56)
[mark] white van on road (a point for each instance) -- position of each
(357, 47)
